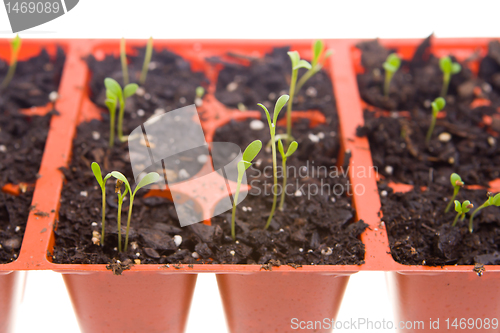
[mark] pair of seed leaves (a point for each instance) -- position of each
(149, 179)
(254, 148)
(448, 66)
(115, 94)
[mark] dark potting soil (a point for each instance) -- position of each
(170, 78)
(316, 225)
(319, 231)
(22, 140)
(14, 211)
(461, 141)
(170, 83)
(266, 79)
(420, 233)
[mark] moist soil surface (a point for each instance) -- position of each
(22, 140)
(420, 233)
(462, 141)
(319, 230)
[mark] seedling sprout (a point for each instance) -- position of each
(123, 58)
(114, 92)
(147, 60)
(438, 105)
(448, 67)
(148, 179)
(457, 183)
(391, 66)
(318, 61)
(284, 155)
(121, 197)
(461, 210)
(491, 201)
(248, 155)
(102, 183)
(297, 63)
(111, 101)
(15, 46)
(272, 129)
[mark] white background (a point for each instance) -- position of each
(46, 306)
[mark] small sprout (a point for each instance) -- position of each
(200, 91)
(123, 58)
(457, 183)
(147, 60)
(102, 183)
(491, 201)
(284, 155)
(15, 46)
(198, 100)
(121, 196)
(280, 103)
(391, 66)
(438, 105)
(297, 63)
(317, 63)
(150, 178)
(248, 155)
(461, 210)
(115, 94)
(448, 67)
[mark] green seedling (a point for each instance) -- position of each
(391, 66)
(491, 201)
(280, 103)
(148, 179)
(461, 210)
(457, 183)
(448, 67)
(123, 59)
(200, 91)
(111, 101)
(15, 46)
(438, 105)
(114, 94)
(284, 155)
(248, 155)
(102, 183)
(147, 60)
(318, 61)
(297, 63)
(121, 197)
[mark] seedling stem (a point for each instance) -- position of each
(248, 155)
(457, 183)
(272, 129)
(15, 46)
(147, 60)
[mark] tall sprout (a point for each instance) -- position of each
(297, 63)
(272, 130)
(123, 59)
(147, 60)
